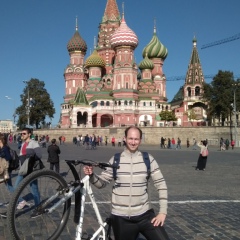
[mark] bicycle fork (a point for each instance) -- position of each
(86, 189)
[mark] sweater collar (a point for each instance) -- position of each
(130, 154)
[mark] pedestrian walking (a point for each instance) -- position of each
(194, 144)
(53, 155)
(173, 142)
(106, 140)
(113, 141)
(232, 144)
(60, 140)
(29, 149)
(178, 143)
(5, 153)
(119, 142)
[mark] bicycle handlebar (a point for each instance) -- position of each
(88, 162)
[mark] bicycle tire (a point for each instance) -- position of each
(46, 226)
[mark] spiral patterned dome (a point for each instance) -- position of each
(155, 49)
(94, 60)
(76, 43)
(124, 36)
(146, 63)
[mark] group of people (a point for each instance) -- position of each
(131, 214)
(92, 141)
(225, 143)
(30, 148)
(170, 143)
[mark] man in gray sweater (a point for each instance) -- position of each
(131, 212)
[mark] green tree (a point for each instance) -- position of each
(41, 104)
(191, 115)
(167, 116)
(219, 95)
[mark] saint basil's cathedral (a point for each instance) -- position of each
(109, 89)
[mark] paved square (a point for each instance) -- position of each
(203, 205)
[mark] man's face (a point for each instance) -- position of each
(25, 135)
(133, 140)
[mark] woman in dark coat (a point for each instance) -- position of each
(202, 159)
(5, 153)
(53, 155)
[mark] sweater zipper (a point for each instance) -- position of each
(130, 195)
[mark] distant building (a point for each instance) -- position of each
(6, 126)
(109, 88)
(188, 100)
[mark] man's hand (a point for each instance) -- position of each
(88, 170)
(159, 220)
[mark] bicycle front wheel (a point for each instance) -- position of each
(37, 193)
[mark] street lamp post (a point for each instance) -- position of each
(28, 104)
(235, 112)
(14, 110)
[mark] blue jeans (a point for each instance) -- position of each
(9, 183)
(34, 190)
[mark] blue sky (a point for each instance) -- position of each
(34, 37)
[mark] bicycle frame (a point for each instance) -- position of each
(85, 189)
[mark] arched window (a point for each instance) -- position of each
(144, 104)
(107, 103)
(102, 103)
(197, 91)
(125, 103)
(94, 104)
(189, 92)
(130, 103)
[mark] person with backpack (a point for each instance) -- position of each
(202, 159)
(5, 153)
(131, 212)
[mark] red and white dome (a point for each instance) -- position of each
(124, 36)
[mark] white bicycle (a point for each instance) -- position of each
(48, 219)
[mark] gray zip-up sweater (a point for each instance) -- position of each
(129, 194)
(32, 149)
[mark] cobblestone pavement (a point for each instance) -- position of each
(203, 205)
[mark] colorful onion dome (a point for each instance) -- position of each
(94, 60)
(124, 36)
(77, 43)
(155, 49)
(146, 63)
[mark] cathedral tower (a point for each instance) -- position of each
(74, 72)
(157, 53)
(110, 22)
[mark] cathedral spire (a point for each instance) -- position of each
(194, 73)
(154, 28)
(76, 24)
(111, 11)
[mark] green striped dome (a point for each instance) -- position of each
(155, 49)
(94, 60)
(146, 63)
